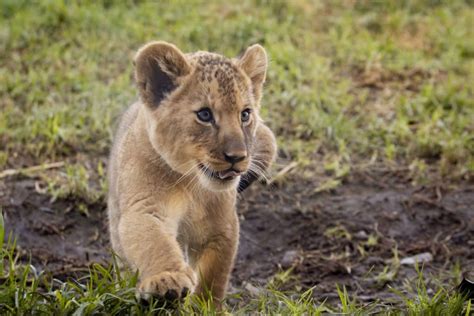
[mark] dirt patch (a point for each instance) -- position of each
(350, 236)
(377, 77)
(55, 235)
(346, 237)
(377, 89)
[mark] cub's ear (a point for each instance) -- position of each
(254, 63)
(158, 65)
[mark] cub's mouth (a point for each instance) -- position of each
(224, 175)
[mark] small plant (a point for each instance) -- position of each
(443, 302)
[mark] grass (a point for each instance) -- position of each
(350, 83)
(108, 290)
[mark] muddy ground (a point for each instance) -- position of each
(346, 237)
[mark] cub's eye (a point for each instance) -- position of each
(204, 115)
(245, 115)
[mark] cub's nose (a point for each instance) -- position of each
(235, 157)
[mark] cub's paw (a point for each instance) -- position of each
(170, 285)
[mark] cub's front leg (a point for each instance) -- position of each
(216, 259)
(150, 245)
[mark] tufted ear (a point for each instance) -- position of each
(158, 65)
(254, 63)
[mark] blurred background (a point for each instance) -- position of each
(372, 103)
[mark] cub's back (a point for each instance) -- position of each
(123, 128)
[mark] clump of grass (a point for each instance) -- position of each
(444, 301)
(76, 181)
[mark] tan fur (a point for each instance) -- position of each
(169, 219)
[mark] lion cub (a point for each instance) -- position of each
(175, 167)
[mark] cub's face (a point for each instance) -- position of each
(202, 110)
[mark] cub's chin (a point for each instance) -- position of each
(214, 183)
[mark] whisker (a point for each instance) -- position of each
(185, 174)
(192, 181)
(258, 170)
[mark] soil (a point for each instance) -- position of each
(346, 237)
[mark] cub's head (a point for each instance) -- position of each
(202, 110)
